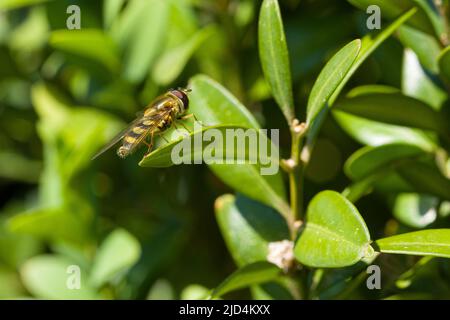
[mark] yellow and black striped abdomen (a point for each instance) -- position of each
(135, 136)
(142, 129)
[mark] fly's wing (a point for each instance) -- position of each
(117, 138)
(153, 117)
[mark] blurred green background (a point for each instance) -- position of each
(142, 232)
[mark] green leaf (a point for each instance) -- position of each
(274, 56)
(11, 287)
(417, 82)
(87, 43)
(214, 105)
(161, 290)
(256, 273)
(364, 186)
(369, 159)
(247, 227)
(169, 65)
(70, 135)
(370, 89)
(425, 46)
(15, 4)
(194, 292)
(111, 9)
(433, 242)
(117, 253)
(415, 210)
(15, 166)
(330, 77)
(50, 224)
(335, 234)
(425, 179)
(15, 249)
(161, 156)
(444, 63)
(394, 108)
(50, 277)
(375, 133)
(140, 32)
(368, 45)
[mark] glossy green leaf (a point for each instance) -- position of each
(330, 77)
(425, 179)
(369, 159)
(214, 105)
(415, 210)
(247, 227)
(335, 234)
(394, 108)
(92, 44)
(444, 63)
(418, 83)
(375, 133)
(274, 56)
(368, 45)
(362, 187)
(117, 253)
(433, 242)
(169, 66)
(52, 277)
(424, 45)
(162, 156)
(256, 273)
(371, 89)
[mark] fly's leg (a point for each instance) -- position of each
(162, 136)
(149, 145)
(191, 115)
(184, 133)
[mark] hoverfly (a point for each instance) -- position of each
(159, 115)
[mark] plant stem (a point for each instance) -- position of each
(296, 173)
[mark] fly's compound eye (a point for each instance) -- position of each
(183, 96)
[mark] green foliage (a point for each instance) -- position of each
(372, 103)
(258, 272)
(426, 242)
(274, 56)
(335, 231)
(330, 78)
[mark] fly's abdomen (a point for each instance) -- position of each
(134, 137)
